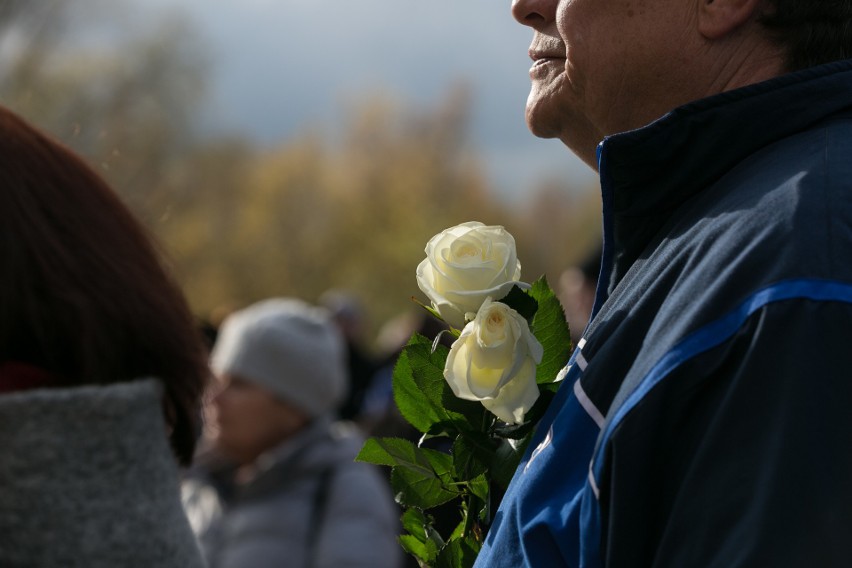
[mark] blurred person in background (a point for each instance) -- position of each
(349, 315)
(379, 415)
(278, 485)
(101, 370)
(576, 291)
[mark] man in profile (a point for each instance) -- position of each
(705, 417)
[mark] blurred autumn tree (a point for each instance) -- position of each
(308, 216)
(128, 108)
(241, 223)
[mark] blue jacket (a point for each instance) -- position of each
(706, 418)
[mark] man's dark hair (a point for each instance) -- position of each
(812, 32)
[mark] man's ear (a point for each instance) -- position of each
(718, 18)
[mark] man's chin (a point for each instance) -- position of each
(540, 126)
(578, 136)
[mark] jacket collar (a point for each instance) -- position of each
(647, 173)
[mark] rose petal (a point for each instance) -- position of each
(457, 367)
(464, 265)
(517, 397)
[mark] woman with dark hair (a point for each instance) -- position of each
(101, 371)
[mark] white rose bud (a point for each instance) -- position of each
(466, 264)
(494, 361)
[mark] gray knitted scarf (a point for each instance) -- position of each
(87, 479)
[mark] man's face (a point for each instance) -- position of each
(606, 66)
(251, 420)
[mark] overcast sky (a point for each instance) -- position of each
(282, 64)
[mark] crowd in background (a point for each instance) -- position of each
(133, 437)
(298, 388)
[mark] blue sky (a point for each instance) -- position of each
(282, 64)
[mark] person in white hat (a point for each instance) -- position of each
(279, 486)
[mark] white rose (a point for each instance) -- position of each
(466, 264)
(494, 361)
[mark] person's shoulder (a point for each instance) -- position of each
(816, 157)
(348, 439)
(791, 195)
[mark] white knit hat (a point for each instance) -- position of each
(292, 349)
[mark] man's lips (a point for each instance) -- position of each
(545, 59)
(537, 55)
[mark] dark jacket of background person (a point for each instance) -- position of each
(351, 319)
(87, 479)
(279, 485)
(705, 417)
(87, 311)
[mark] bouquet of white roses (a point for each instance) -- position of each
(483, 395)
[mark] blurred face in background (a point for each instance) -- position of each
(577, 295)
(251, 420)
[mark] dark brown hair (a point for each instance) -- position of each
(811, 32)
(83, 292)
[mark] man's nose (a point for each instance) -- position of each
(534, 13)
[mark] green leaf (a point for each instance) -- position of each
(414, 521)
(425, 551)
(420, 477)
(423, 396)
(398, 452)
(427, 367)
(465, 414)
(459, 553)
(417, 368)
(507, 458)
(472, 452)
(551, 329)
(522, 302)
(458, 531)
(479, 487)
(386, 451)
(414, 490)
(423, 541)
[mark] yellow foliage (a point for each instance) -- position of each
(240, 224)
